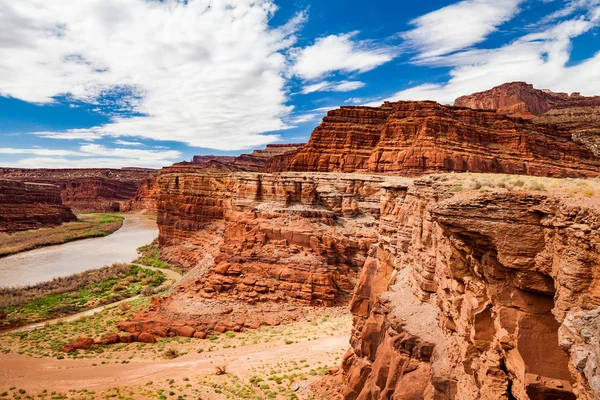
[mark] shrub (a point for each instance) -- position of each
(535, 185)
(170, 354)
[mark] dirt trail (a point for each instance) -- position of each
(169, 274)
(63, 375)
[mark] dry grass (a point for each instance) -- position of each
(88, 226)
(574, 189)
(14, 296)
(70, 295)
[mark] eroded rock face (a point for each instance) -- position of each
(26, 206)
(522, 99)
(87, 189)
(144, 200)
(573, 114)
(496, 295)
(416, 138)
(253, 240)
(273, 158)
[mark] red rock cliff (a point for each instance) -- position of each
(26, 206)
(481, 296)
(416, 138)
(522, 99)
(575, 115)
(87, 189)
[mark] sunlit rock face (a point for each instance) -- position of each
(26, 206)
(488, 296)
(417, 138)
(575, 115)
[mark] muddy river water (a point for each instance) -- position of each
(43, 264)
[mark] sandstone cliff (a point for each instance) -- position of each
(458, 293)
(416, 138)
(273, 158)
(522, 99)
(87, 189)
(477, 296)
(574, 114)
(26, 206)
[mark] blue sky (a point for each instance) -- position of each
(113, 83)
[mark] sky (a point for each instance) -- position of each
(146, 83)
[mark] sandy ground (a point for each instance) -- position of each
(35, 375)
(272, 362)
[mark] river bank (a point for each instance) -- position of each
(44, 264)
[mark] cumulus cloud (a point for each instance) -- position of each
(326, 86)
(205, 72)
(38, 152)
(339, 53)
(540, 58)
(458, 26)
(127, 143)
(91, 154)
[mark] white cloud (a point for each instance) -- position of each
(300, 119)
(127, 143)
(326, 86)
(92, 155)
(208, 73)
(38, 152)
(458, 26)
(540, 58)
(339, 53)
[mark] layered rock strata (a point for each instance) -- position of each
(457, 294)
(417, 138)
(87, 189)
(273, 158)
(481, 296)
(574, 114)
(522, 99)
(26, 206)
(256, 243)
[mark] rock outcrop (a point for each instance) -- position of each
(522, 99)
(417, 138)
(274, 158)
(481, 296)
(87, 189)
(26, 206)
(254, 244)
(574, 114)
(144, 200)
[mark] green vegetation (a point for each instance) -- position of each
(150, 256)
(88, 226)
(76, 293)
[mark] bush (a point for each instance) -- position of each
(170, 354)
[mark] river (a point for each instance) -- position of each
(43, 264)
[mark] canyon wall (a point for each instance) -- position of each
(478, 296)
(273, 158)
(87, 189)
(522, 99)
(417, 138)
(255, 245)
(467, 294)
(26, 206)
(573, 114)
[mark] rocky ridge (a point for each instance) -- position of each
(87, 189)
(273, 158)
(417, 138)
(25, 205)
(574, 114)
